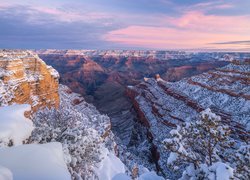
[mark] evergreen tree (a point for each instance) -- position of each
(83, 145)
(199, 145)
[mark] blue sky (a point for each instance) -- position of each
(125, 24)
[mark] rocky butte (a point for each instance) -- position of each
(26, 79)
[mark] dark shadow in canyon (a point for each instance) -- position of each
(103, 80)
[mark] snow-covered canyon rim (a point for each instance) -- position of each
(14, 126)
(35, 161)
(31, 161)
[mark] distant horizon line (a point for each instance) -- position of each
(137, 49)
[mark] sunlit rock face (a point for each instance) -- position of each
(57, 114)
(26, 79)
(161, 105)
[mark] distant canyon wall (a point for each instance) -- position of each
(102, 76)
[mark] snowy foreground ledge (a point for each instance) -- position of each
(14, 126)
(33, 161)
(45, 161)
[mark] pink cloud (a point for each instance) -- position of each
(196, 20)
(192, 30)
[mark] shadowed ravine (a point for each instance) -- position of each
(103, 79)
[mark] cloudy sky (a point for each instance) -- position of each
(125, 24)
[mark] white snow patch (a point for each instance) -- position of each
(35, 161)
(172, 158)
(121, 176)
(150, 176)
(222, 171)
(14, 126)
(5, 173)
(110, 166)
(53, 72)
(209, 113)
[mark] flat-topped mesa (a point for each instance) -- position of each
(25, 78)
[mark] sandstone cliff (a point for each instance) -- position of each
(84, 133)
(25, 78)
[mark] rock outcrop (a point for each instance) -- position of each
(26, 79)
(84, 133)
(162, 105)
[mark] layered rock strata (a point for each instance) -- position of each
(162, 105)
(26, 79)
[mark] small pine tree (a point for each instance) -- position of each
(82, 144)
(198, 143)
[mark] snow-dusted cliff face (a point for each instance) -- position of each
(26, 79)
(63, 130)
(162, 105)
(58, 115)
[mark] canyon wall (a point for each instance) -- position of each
(26, 79)
(102, 76)
(58, 114)
(161, 105)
